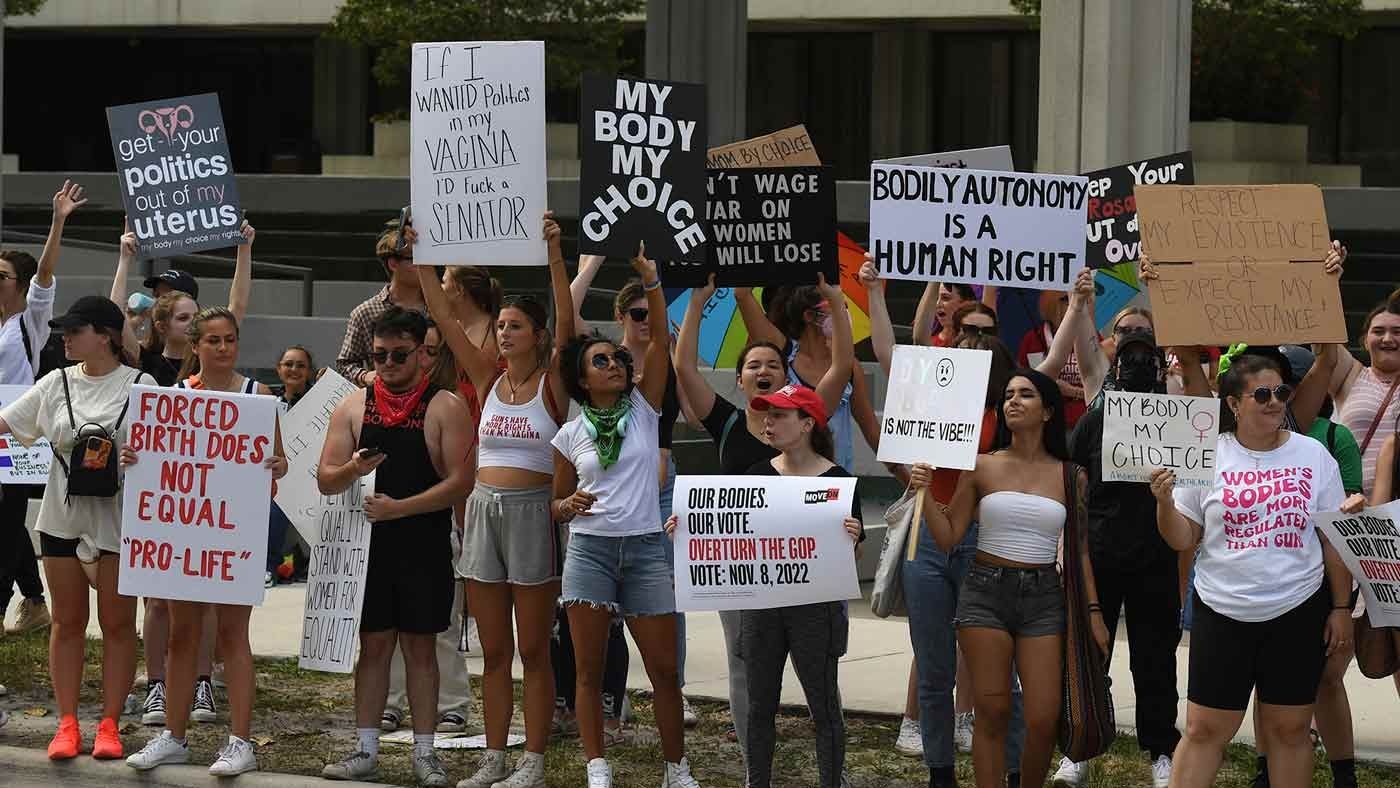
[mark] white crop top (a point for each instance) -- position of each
(517, 436)
(1020, 527)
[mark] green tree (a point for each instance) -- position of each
(22, 7)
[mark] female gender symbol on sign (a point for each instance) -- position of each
(1203, 422)
(944, 371)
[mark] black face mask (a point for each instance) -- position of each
(1139, 372)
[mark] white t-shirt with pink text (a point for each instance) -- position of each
(1261, 555)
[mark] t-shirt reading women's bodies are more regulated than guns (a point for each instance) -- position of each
(1261, 555)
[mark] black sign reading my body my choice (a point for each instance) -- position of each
(768, 226)
(1113, 235)
(176, 175)
(643, 168)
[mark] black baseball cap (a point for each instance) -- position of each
(1136, 336)
(177, 280)
(90, 310)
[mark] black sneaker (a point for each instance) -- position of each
(203, 709)
(153, 710)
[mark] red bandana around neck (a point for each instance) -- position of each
(393, 409)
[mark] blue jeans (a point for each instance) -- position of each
(625, 575)
(931, 585)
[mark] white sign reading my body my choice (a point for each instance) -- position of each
(752, 542)
(934, 405)
(303, 433)
(21, 464)
(1144, 432)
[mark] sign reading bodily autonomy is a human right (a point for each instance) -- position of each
(934, 405)
(946, 225)
(176, 175)
(1369, 544)
(1143, 432)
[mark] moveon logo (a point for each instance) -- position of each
(822, 496)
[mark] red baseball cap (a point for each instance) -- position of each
(793, 397)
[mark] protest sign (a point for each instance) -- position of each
(751, 542)
(997, 157)
(1144, 432)
(303, 433)
(643, 168)
(478, 156)
(1370, 546)
(176, 175)
(933, 406)
(1239, 264)
(1113, 221)
(195, 505)
(22, 464)
(335, 580)
(790, 147)
(976, 226)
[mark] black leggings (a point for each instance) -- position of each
(18, 566)
(561, 653)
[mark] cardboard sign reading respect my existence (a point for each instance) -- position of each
(1239, 264)
(478, 156)
(22, 464)
(933, 407)
(1113, 221)
(643, 168)
(1370, 546)
(195, 505)
(1144, 432)
(335, 580)
(790, 147)
(176, 175)
(303, 434)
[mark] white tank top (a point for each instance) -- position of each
(1020, 527)
(517, 436)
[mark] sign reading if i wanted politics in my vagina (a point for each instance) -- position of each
(1011, 229)
(195, 505)
(934, 405)
(1143, 432)
(478, 158)
(753, 542)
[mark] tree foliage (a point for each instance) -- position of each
(22, 7)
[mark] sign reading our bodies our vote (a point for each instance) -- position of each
(195, 505)
(748, 542)
(335, 580)
(643, 168)
(478, 160)
(303, 433)
(1113, 221)
(1370, 546)
(22, 464)
(977, 226)
(933, 406)
(1144, 432)
(176, 175)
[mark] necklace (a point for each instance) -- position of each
(1258, 456)
(514, 387)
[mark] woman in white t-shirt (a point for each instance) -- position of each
(617, 560)
(1264, 617)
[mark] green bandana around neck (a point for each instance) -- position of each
(607, 428)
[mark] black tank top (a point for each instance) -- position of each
(408, 470)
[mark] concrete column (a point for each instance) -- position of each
(900, 106)
(341, 97)
(1115, 82)
(704, 41)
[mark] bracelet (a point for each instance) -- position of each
(1341, 607)
(647, 288)
(1095, 607)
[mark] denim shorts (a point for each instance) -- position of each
(627, 575)
(1021, 602)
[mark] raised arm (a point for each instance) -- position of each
(563, 310)
(67, 200)
(1081, 309)
(657, 359)
(479, 365)
(242, 285)
(588, 265)
(130, 343)
(693, 386)
(925, 314)
(843, 350)
(761, 329)
(881, 329)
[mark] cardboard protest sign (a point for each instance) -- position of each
(1239, 264)
(335, 580)
(643, 168)
(195, 505)
(933, 406)
(1113, 221)
(768, 226)
(790, 147)
(1144, 432)
(21, 464)
(303, 433)
(176, 175)
(748, 542)
(977, 227)
(996, 157)
(1370, 546)
(478, 155)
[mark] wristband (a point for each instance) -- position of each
(1341, 607)
(647, 288)
(1095, 607)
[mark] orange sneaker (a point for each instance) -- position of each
(108, 745)
(66, 742)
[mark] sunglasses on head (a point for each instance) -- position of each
(1282, 392)
(639, 314)
(397, 356)
(602, 360)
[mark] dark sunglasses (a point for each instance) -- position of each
(639, 314)
(976, 330)
(602, 360)
(1282, 392)
(397, 356)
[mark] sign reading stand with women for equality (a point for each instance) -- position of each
(1143, 432)
(195, 505)
(753, 542)
(1369, 544)
(335, 580)
(933, 408)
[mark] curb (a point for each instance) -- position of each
(21, 763)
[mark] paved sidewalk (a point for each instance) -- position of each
(29, 767)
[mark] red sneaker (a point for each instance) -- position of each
(66, 742)
(108, 745)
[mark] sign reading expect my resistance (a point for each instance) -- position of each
(335, 580)
(976, 226)
(748, 542)
(1370, 546)
(1144, 432)
(933, 408)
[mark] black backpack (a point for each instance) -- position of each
(92, 466)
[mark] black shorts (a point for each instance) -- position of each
(408, 583)
(56, 547)
(1283, 657)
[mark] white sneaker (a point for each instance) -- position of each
(235, 759)
(4, 718)
(688, 714)
(1069, 775)
(427, 769)
(962, 732)
(358, 766)
(161, 750)
(599, 774)
(1161, 771)
(490, 770)
(529, 773)
(678, 776)
(911, 739)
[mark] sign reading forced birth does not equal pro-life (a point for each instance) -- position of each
(1113, 231)
(642, 172)
(750, 542)
(335, 580)
(176, 175)
(195, 505)
(478, 156)
(934, 405)
(1144, 432)
(1369, 545)
(1239, 264)
(1010, 229)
